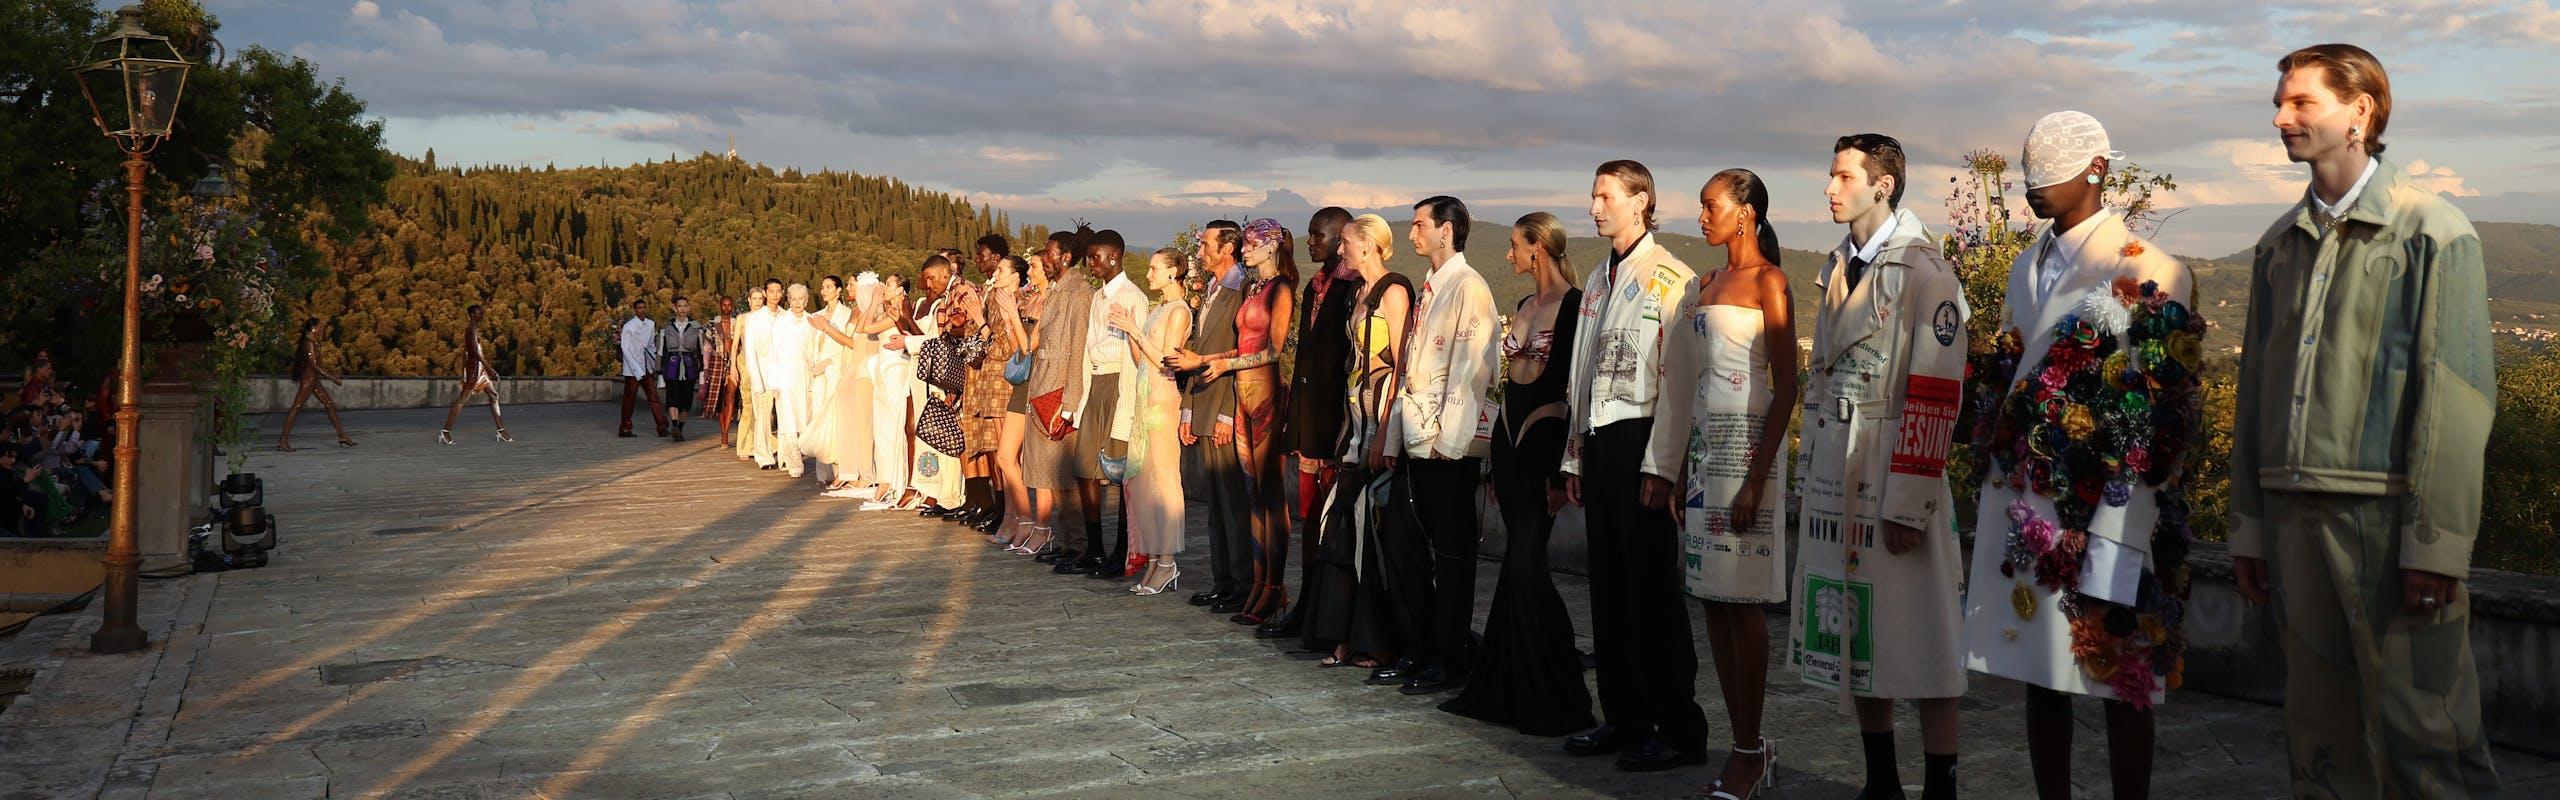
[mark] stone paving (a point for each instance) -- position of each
(577, 615)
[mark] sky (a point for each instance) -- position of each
(1147, 114)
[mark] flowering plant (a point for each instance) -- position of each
(2107, 411)
(210, 275)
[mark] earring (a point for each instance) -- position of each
(2093, 179)
(1879, 197)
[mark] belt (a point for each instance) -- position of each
(1842, 408)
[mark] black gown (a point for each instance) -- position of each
(1528, 674)
(1342, 607)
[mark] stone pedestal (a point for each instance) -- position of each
(175, 474)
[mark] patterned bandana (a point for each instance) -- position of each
(2060, 146)
(1261, 232)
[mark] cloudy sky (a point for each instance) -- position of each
(1144, 113)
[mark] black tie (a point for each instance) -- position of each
(1857, 269)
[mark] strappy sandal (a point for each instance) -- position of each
(283, 446)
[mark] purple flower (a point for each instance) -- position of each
(2118, 494)
(2020, 512)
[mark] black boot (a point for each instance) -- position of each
(1092, 551)
(1116, 565)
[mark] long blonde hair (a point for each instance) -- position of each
(1543, 231)
(1374, 230)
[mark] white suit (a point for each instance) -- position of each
(789, 359)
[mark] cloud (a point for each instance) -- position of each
(2438, 179)
(1015, 155)
(1127, 103)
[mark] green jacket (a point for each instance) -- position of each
(2366, 369)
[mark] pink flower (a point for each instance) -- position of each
(2020, 512)
(204, 252)
(2133, 683)
(2038, 535)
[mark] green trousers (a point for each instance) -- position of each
(2379, 703)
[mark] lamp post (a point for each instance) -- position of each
(133, 81)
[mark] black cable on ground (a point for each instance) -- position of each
(74, 604)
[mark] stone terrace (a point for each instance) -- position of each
(582, 616)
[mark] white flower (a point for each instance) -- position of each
(2106, 313)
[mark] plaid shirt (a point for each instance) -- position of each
(715, 354)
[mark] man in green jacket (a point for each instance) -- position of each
(2367, 384)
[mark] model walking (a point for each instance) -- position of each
(307, 376)
(477, 379)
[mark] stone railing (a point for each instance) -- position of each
(2515, 637)
(271, 394)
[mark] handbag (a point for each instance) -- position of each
(939, 426)
(1048, 411)
(1017, 370)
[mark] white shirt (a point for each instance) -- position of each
(1106, 348)
(2058, 254)
(639, 347)
(1874, 247)
(789, 353)
(756, 340)
(1442, 409)
(2348, 200)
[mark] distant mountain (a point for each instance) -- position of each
(2522, 258)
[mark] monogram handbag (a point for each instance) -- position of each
(939, 426)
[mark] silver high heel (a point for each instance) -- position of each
(503, 437)
(445, 436)
(1173, 583)
(1768, 752)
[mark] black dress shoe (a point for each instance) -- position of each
(1391, 674)
(1110, 568)
(1283, 628)
(1081, 566)
(770, 467)
(1057, 555)
(623, 435)
(1433, 681)
(1598, 741)
(1207, 598)
(1228, 605)
(987, 523)
(1657, 755)
(931, 510)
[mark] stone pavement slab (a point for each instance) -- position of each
(576, 615)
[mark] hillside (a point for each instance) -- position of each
(1587, 252)
(2522, 259)
(552, 254)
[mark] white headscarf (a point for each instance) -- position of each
(2060, 146)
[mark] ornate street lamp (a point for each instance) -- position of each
(132, 81)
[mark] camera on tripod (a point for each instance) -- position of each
(239, 532)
